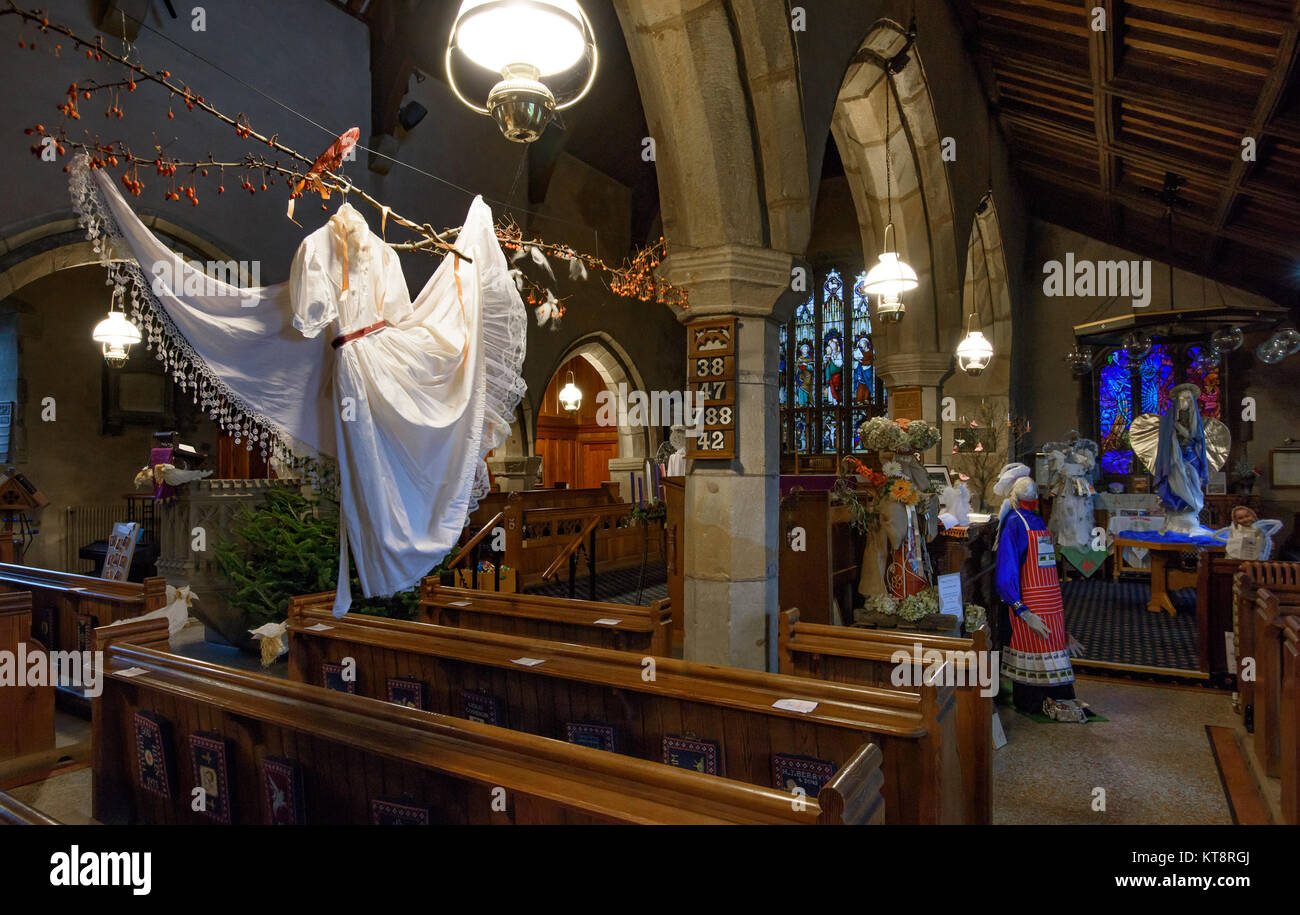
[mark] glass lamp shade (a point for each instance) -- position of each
(1227, 339)
(1290, 338)
(890, 309)
(547, 35)
(891, 277)
(117, 335)
(1272, 351)
(1137, 345)
(1079, 359)
(570, 397)
(974, 353)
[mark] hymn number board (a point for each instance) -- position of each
(711, 354)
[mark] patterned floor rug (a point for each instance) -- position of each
(616, 587)
(1111, 620)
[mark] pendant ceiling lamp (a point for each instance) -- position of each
(570, 397)
(524, 41)
(117, 335)
(892, 276)
(975, 352)
(1079, 359)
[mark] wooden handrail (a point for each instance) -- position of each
(14, 812)
(476, 540)
(554, 568)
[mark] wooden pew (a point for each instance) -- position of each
(623, 627)
(1289, 722)
(26, 711)
(353, 750)
(14, 812)
(866, 656)
(1278, 578)
(580, 685)
(1214, 612)
(61, 598)
(1271, 613)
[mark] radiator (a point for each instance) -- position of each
(83, 525)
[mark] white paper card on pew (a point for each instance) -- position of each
(999, 735)
(130, 671)
(528, 662)
(950, 594)
(802, 706)
(319, 627)
(459, 603)
(607, 622)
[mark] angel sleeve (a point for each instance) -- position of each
(315, 304)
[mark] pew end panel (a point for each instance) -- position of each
(27, 710)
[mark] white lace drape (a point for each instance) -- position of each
(409, 411)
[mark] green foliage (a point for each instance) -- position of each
(286, 546)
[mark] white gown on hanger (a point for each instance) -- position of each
(409, 410)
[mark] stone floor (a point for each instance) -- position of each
(1152, 757)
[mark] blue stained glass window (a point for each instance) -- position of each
(1115, 398)
(1157, 379)
(830, 431)
(827, 367)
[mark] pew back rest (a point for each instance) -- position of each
(547, 686)
(352, 749)
(596, 623)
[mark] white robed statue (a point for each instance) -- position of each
(1180, 449)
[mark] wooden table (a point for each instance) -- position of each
(1165, 576)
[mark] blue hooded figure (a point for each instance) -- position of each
(1182, 467)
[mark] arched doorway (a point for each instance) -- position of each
(575, 448)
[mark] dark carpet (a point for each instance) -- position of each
(616, 587)
(1111, 620)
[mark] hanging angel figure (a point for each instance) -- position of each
(1180, 449)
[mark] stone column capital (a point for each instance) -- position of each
(729, 280)
(898, 370)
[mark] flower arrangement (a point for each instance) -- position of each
(853, 466)
(910, 609)
(880, 433)
(904, 491)
(921, 436)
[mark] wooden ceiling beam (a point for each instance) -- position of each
(1101, 57)
(1231, 15)
(1270, 96)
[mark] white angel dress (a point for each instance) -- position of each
(409, 395)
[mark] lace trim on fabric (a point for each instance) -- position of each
(188, 369)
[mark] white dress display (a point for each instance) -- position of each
(408, 395)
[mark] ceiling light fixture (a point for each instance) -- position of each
(524, 41)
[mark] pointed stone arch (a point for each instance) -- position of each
(919, 350)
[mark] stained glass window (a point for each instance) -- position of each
(1115, 397)
(827, 367)
(1157, 379)
(1126, 389)
(1208, 382)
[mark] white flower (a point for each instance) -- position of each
(892, 469)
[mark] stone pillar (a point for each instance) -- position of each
(733, 507)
